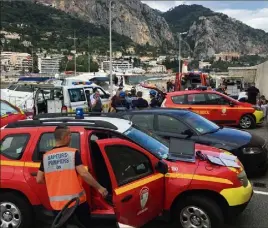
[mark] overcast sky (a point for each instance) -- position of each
(252, 13)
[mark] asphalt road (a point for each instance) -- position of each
(255, 214)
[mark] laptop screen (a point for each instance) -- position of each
(180, 148)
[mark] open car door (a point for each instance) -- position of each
(138, 189)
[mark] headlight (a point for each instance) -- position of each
(242, 177)
(252, 150)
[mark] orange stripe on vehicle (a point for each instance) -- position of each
(11, 163)
(137, 184)
(198, 177)
(32, 164)
(23, 164)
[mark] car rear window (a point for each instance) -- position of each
(77, 95)
(13, 146)
(6, 108)
(178, 99)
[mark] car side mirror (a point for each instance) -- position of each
(188, 132)
(162, 167)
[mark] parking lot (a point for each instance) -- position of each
(254, 216)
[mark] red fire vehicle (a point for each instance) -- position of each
(10, 113)
(144, 176)
(190, 80)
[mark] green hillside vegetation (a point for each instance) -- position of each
(181, 18)
(48, 28)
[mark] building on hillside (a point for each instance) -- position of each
(16, 61)
(227, 56)
(248, 73)
(157, 69)
(49, 64)
(203, 65)
(121, 65)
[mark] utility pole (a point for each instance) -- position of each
(74, 54)
(111, 57)
(179, 53)
(32, 61)
(88, 54)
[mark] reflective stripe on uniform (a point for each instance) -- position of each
(66, 197)
(59, 161)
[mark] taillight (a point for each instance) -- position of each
(64, 109)
(164, 103)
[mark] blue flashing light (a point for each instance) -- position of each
(82, 83)
(79, 113)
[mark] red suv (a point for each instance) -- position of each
(216, 107)
(144, 177)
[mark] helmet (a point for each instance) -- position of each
(152, 92)
(122, 94)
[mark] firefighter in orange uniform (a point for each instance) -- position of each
(62, 171)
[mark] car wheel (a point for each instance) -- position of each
(247, 122)
(15, 211)
(197, 211)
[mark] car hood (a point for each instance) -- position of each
(208, 150)
(229, 138)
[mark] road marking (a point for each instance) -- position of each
(261, 193)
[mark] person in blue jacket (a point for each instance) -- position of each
(154, 102)
(121, 104)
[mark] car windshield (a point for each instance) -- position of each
(149, 141)
(199, 123)
(12, 87)
(6, 109)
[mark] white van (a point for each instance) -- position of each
(55, 99)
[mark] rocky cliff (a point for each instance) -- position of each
(131, 18)
(209, 32)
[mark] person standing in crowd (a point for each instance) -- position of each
(154, 102)
(64, 182)
(243, 96)
(140, 103)
(115, 98)
(129, 99)
(88, 100)
(95, 100)
(168, 85)
(253, 93)
(121, 104)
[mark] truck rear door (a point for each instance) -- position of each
(75, 98)
(138, 189)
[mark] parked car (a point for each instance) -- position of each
(216, 107)
(10, 113)
(251, 149)
(144, 175)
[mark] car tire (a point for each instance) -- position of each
(197, 210)
(17, 209)
(247, 122)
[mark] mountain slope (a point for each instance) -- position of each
(49, 28)
(130, 18)
(210, 32)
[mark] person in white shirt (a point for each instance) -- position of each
(243, 96)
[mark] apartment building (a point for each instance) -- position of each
(121, 65)
(49, 64)
(16, 61)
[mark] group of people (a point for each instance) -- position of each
(122, 100)
(127, 100)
